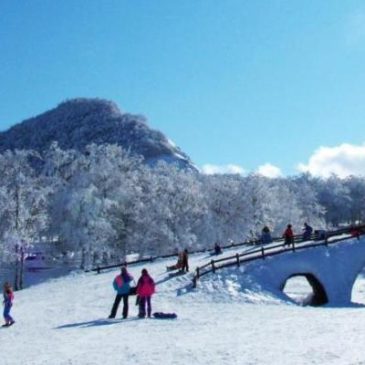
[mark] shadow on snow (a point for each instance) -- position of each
(96, 323)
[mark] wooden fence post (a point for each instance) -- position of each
(213, 267)
(98, 270)
(238, 259)
(263, 253)
(293, 246)
(197, 273)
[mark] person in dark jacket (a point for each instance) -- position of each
(217, 249)
(266, 235)
(145, 290)
(288, 236)
(185, 261)
(307, 232)
(121, 284)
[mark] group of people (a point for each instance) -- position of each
(144, 289)
(288, 234)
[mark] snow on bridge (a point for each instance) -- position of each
(331, 270)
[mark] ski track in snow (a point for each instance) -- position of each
(63, 322)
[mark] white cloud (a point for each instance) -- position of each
(342, 160)
(222, 169)
(269, 170)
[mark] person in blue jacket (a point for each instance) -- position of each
(121, 284)
(266, 235)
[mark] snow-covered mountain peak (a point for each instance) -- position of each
(87, 105)
(78, 122)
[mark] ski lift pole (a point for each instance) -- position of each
(21, 272)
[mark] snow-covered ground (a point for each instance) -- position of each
(64, 321)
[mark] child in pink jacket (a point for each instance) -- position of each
(145, 290)
(8, 303)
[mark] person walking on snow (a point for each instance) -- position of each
(8, 303)
(145, 290)
(121, 285)
(288, 236)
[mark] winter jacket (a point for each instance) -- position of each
(8, 297)
(307, 232)
(266, 237)
(288, 234)
(145, 286)
(121, 283)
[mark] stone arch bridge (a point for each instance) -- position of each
(331, 266)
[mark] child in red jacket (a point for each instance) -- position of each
(288, 236)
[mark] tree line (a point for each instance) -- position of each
(106, 203)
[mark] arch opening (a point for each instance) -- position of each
(305, 289)
(358, 289)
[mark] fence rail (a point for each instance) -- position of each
(98, 269)
(253, 242)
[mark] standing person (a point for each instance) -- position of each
(145, 290)
(121, 284)
(307, 232)
(217, 249)
(185, 261)
(288, 236)
(266, 235)
(8, 303)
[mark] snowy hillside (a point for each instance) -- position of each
(223, 321)
(79, 122)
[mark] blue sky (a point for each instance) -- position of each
(233, 82)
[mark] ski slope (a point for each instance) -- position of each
(226, 320)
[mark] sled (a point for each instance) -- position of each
(162, 315)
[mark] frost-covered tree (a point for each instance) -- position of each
(104, 203)
(356, 188)
(225, 217)
(259, 202)
(172, 209)
(23, 212)
(284, 208)
(307, 198)
(335, 198)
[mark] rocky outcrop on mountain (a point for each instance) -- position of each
(78, 122)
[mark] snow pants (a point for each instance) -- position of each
(7, 317)
(117, 300)
(289, 241)
(143, 302)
